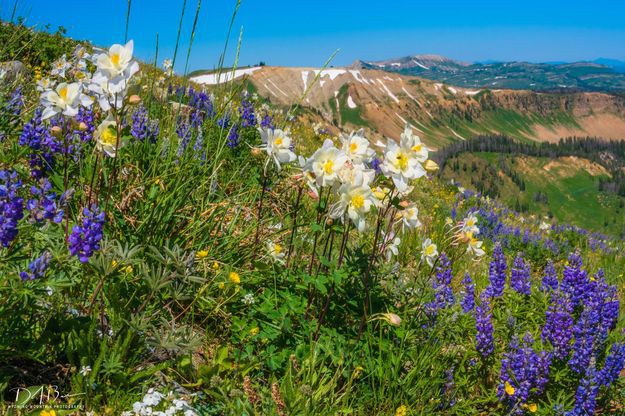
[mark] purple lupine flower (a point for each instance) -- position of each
(224, 121)
(585, 332)
(550, 278)
(574, 280)
(586, 395)
(614, 364)
(376, 165)
(201, 107)
(484, 342)
(497, 272)
(37, 268)
(267, 122)
(142, 128)
(558, 329)
(233, 137)
(183, 130)
(85, 238)
(520, 277)
(15, 103)
(468, 301)
(43, 145)
(444, 296)
(246, 112)
(43, 206)
(11, 206)
(525, 370)
(85, 115)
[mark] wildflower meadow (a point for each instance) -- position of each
(173, 249)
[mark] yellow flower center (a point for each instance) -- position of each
(277, 248)
(417, 147)
(278, 141)
(429, 250)
(109, 136)
(353, 147)
(328, 167)
(63, 93)
(402, 161)
(358, 201)
(115, 59)
(509, 389)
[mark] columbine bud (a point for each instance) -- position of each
(256, 151)
(404, 204)
(82, 126)
(431, 166)
(392, 319)
(329, 221)
(56, 131)
(134, 99)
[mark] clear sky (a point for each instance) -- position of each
(306, 33)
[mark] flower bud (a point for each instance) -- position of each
(256, 151)
(134, 99)
(431, 166)
(82, 126)
(56, 131)
(329, 221)
(392, 319)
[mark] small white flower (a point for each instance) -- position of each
(356, 199)
(277, 144)
(469, 224)
(326, 164)
(85, 370)
(475, 247)
(276, 252)
(392, 245)
(409, 218)
(356, 147)
(248, 299)
(429, 252)
(60, 66)
(117, 61)
(65, 98)
(106, 137)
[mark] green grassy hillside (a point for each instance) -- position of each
(565, 188)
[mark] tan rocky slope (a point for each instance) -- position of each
(383, 102)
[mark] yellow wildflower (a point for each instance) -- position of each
(128, 269)
(222, 285)
(114, 263)
(202, 254)
(215, 265)
(532, 407)
(401, 411)
(254, 331)
(48, 413)
(509, 389)
(234, 278)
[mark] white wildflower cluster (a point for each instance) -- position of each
(155, 403)
(72, 86)
(347, 174)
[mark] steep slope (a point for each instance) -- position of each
(383, 102)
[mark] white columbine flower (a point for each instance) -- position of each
(475, 246)
(356, 147)
(392, 245)
(277, 144)
(403, 162)
(469, 224)
(409, 217)
(429, 252)
(85, 370)
(357, 199)
(117, 62)
(276, 252)
(326, 163)
(106, 137)
(65, 98)
(60, 66)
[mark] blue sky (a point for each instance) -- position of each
(306, 33)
